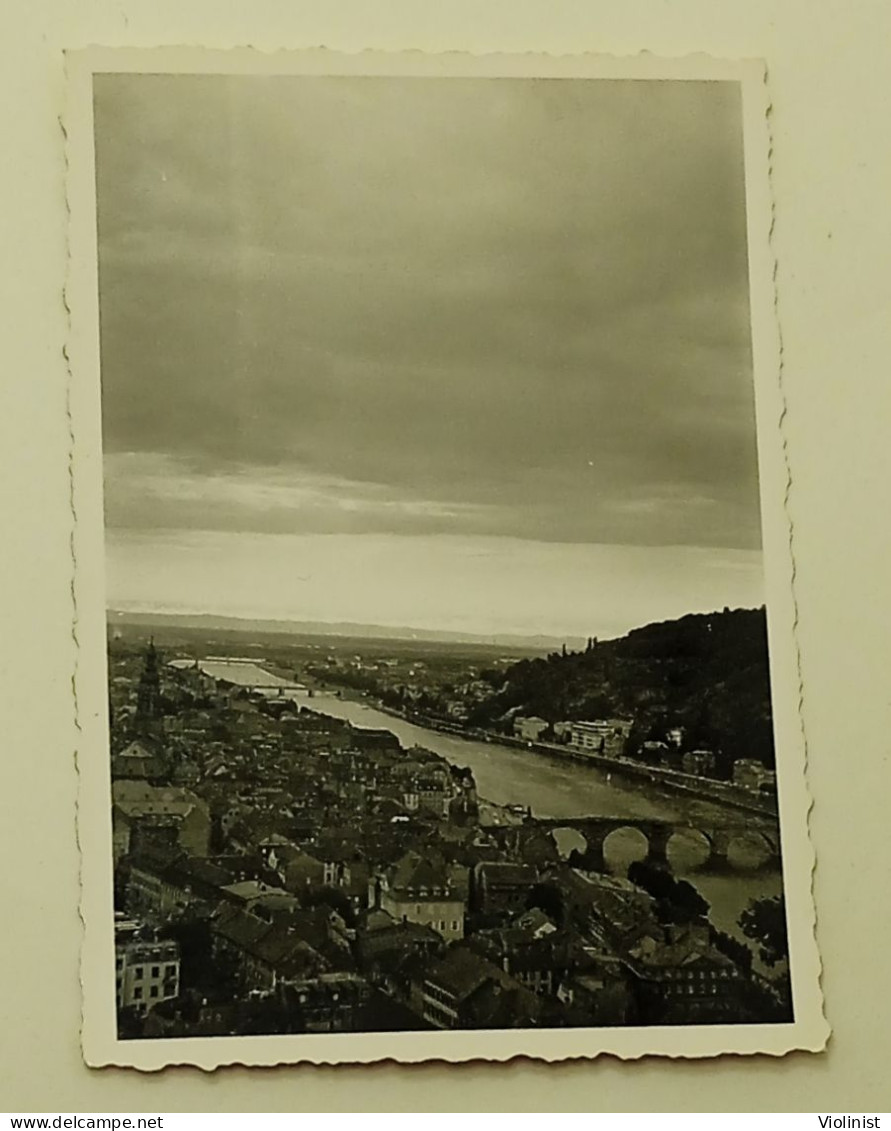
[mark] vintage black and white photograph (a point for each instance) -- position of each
(440, 693)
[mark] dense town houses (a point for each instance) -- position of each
(277, 870)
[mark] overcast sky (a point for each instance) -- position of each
(359, 325)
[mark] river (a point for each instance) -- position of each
(556, 787)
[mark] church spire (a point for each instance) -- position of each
(148, 694)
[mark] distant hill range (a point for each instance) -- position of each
(347, 630)
(707, 673)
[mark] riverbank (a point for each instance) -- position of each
(706, 789)
(517, 779)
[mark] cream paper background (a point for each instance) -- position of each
(828, 65)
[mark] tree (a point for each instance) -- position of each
(657, 882)
(688, 902)
(736, 951)
(549, 898)
(677, 901)
(703, 733)
(764, 922)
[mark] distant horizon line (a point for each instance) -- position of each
(404, 632)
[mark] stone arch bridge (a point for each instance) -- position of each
(658, 835)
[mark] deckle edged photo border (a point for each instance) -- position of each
(104, 1040)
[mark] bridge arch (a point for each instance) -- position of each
(591, 842)
(570, 840)
(624, 845)
(614, 843)
(689, 849)
(762, 848)
(740, 849)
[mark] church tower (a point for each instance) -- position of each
(148, 695)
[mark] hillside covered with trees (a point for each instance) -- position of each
(705, 673)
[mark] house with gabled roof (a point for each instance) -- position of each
(268, 954)
(464, 990)
(142, 759)
(418, 890)
(175, 814)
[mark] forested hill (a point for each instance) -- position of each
(707, 673)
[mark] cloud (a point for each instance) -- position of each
(491, 306)
(147, 491)
(155, 491)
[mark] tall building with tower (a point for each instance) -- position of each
(148, 694)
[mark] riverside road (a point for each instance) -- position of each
(555, 788)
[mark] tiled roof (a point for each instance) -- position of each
(280, 946)
(506, 872)
(239, 927)
(198, 870)
(253, 890)
(503, 1006)
(413, 873)
(397, 936)
(156, 858)
(135, 798)
(463, 971)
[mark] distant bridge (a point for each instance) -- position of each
(658, 835)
